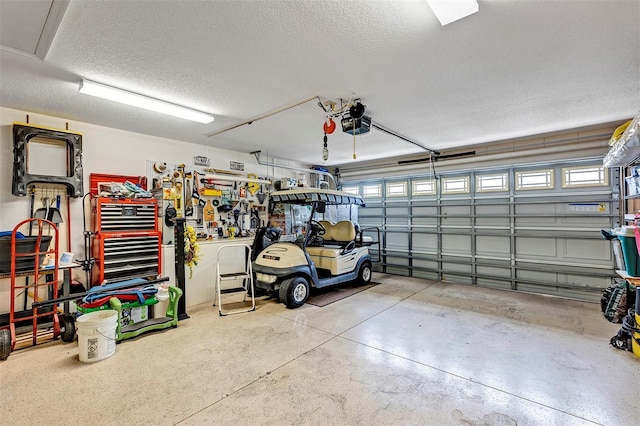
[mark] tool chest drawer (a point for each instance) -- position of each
(128, 255)
(122, 215)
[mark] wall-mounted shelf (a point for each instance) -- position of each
(232, 178)
(626, 150)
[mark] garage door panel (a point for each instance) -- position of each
(397, 240)
(425, 264)
(550, 277)
(371, 211)
(493, 221)
(426, 275)
(560, 292)
(492, 283)
(457, 274)
(490, 245)
(456, 244)
(398, 211)
(427, 242)
(536, 247)
(583, 280)
(494, 272)
(430, 211)
(593, 251)
(421, 217)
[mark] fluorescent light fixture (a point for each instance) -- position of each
(448, 11)
(118, 95)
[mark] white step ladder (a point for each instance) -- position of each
(234, 275)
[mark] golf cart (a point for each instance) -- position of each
(300, 248)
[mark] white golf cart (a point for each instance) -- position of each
(301, 249)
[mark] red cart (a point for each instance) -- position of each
(39, 324)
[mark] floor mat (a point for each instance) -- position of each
(324, 296)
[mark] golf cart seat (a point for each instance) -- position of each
(338, 239)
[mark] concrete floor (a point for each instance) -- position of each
(407, 351)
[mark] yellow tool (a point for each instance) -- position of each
(210, 192)
(253, 186)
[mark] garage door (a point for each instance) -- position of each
(528, 228)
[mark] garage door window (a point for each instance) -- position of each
(372, 191)
(491, 183)
(352, 190)
(584, 176)
(455, 185)
(423, 187)
(397, 189)
(534, 179)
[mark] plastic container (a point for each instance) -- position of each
(97, 335)
(627, 238)
(617, 252)
(23, 246)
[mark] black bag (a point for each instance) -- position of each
(623, 339)
(616, 300)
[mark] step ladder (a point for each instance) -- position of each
(234, 275)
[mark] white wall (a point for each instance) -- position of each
(105, 150)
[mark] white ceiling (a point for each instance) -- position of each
(514, 69)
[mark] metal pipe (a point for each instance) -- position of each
(399, 136)
(300, 169)
(265, 115)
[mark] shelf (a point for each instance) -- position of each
(633, 280)
(232, 178)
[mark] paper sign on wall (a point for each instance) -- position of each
(234, 165)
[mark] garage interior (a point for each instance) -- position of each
(481, 148)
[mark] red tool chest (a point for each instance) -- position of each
(127, 243)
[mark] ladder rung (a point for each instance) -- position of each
(234, 275)
(232, 290)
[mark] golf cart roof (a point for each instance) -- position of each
(308, 195)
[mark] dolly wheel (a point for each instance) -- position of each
(294, 292)
(5, 344)
(69, 325)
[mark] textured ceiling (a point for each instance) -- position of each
(514, 69)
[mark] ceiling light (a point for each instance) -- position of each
(118, 95)
(448, 11)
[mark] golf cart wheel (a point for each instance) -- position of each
(294, 292)
(69, 325)
(5, 344)
(364, 274)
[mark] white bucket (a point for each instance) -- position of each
(97, 335)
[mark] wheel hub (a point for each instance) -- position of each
(366, 274)
(299, 292)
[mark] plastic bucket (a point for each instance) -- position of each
(97, 335)
(627, 238)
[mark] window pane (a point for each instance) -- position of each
(372, 191)
(397, 189)
(351, 190)
(488, 183)
(455, 185)
(535, 179)
(584, 176)
(423, 187)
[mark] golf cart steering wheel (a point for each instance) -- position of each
(273, 234)
(317, 228)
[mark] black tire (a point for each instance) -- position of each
(294, 292)
(364, 273)
(5, 344)
(69, 333)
